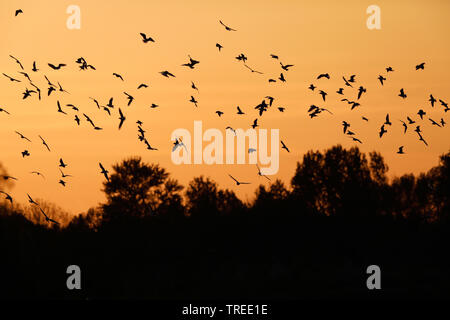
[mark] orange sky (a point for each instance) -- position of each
(315, 36)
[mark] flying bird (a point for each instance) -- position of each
(361, 90)
(61, 163)
(17, 12)
(238, 182)
(219, 46)
(400, 150)
(432, 100)
(421, 113)
(46, 217)
(104, 171)
(130, 98)
(17, 61)
(11, 78)
(323, 75)
(287, 66)
(193, 101)
(146, 39)
(226, 27)
(261, 174)
(59, 66)
(8, 197)
(284, 146)
(118, 76)
(420, 66)
(44, 143)
(121, 118)
(402, 93)
(167, 74)
(3, 110)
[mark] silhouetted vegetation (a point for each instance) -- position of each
(313, 238)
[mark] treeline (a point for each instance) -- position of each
(153, 238)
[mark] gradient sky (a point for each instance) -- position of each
(315, 36)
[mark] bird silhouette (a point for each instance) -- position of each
(11, 78)
(345, 125)
(17, 61)
(38, 174)
(4, 111)
(238, 183)
(382, 131)
(62, 164)
(389, 69)
(361, 90)
(142, 85)
(347, 83)
(286, 67)
(219, 113)
(59, 108)
(323, 75)
(17, 12)
(323, 94)
(340, 91)
(421, 113)
(402, 93)
(46, 217)
(239, 111)
(146, 39)
(191, 64)
(27, 93)
(261, 174)
(193, 86)
(434, 123)
(405, 126)
(25, 153)
(22, 136)
(63, 175)
(122, 118)
(252, 70)
(381, 78)
(226, 27)
(311, 87)
(193, 101)
(104, 171)
(387, 122)
(56, 67)
(167, 74)
(118, 76)
(284, 146)
(400, 150)
(130, 98)
(219, 46)
(432, 100)
(7, 196)
(420, 66)
(44, 143)
(30, 200)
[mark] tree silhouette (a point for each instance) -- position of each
(138, 189)
(338, 181)
(205, 200)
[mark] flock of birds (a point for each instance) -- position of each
(262, 107)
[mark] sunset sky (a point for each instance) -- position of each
(315, 36)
